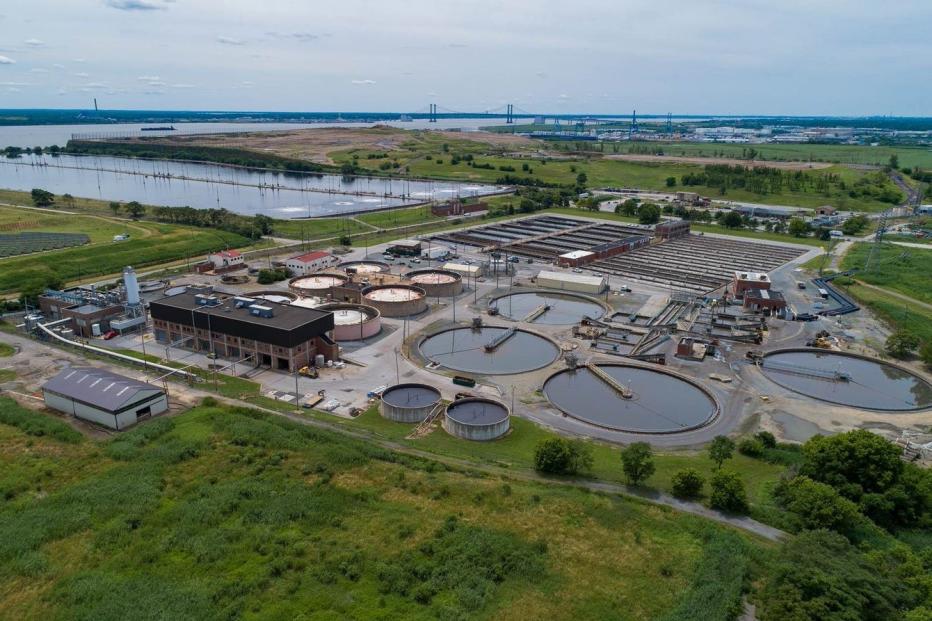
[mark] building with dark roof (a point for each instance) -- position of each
(256, 332)
(768, 300)
(103, 397)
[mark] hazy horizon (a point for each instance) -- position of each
(724, 58)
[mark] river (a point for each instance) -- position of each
(244, 191)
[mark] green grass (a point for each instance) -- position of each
(7, 375)
(902, 269)
(516, 450)
(6, 350)
(163, 244)
(229, 513)
(35, 424)
(898, 314)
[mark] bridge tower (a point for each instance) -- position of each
(510, 114)
(432, 113)
(670, 123)
(634, 124)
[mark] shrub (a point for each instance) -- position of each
(36, 424)
(752, 447)
(766, 438)
(562, 456)
(728, 492)
(637, 462)
(901, 344)
(720, 449)
(687, 483)
(816, 505)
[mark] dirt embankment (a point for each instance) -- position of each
(682, 159)
(315, 144)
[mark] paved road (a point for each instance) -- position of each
(40, 356)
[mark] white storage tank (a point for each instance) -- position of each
(409, 403)
(477, 418)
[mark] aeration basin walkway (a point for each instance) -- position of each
(825, 374)
(611, 381)
(498, 340)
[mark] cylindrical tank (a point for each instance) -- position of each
(353, 322)
(319, 361)
(273, 295)
(476, 418)
(317, 285)
(437, 283)
(409, 403)
(364, 268)
(396, 300)
(132, 286)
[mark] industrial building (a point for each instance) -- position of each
(93, 313)
(257, 332)
(226, 260)
(307, 263)
(405, 247)
(102, 397)
(457, 207)
(767, 300)
(747, 281)
(580, 283)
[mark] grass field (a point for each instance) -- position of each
(152, 244)
(6, 350)
(898, 314)
(224, 513)
(902, 269)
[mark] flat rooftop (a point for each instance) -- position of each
(284, 316)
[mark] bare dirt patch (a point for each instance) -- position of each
(316, 144)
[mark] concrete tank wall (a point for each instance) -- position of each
(437, 283)
(480, 431)
(412, 304)
(364, 268)
(369, 326)
(396, 404)
(301, 285)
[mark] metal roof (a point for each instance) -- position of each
(576, 278)
(98, 388)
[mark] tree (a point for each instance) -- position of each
(628, 208)
(135, 210)
(720, 449)
(637, 461)
(901, 344)
(854, 463)
(799, 227)
(894, 162)
(42, 198)
(854, 224)
(816, 505)
(562, 456)
(732, 220)
(766, 438)
(346, 240)
(581, 179)
(752, 447)
(687, 483)
(925, 353)
(648, 214)
(671, 181)
(115, 207)
(69, 199)
(728, 492)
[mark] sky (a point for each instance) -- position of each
(792, 57)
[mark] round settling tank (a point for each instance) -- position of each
(475, 418)
(631, 398)
(317, 285)
(848, 379)
(396, 300)
(490, 350)
(353, 322)
(364, 268)
(437, 283)
(547, 307)
(409, 403)
(273, 295)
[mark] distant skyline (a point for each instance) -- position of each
(831, 57)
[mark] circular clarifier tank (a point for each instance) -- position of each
(316, 285)
(437, 283)
(489, 350)
(364, 267)
(409, 403)
(353, 322)
(396, 300)
(631, 398)
(476, 418)
(280, 297)
(547, 307)
(848, 379)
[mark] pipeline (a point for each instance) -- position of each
(113, 354)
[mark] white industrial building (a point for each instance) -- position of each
(103, 397)
(310, 262)
(225, 259)
(580, 283)
(466, 271)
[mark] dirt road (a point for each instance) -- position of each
(702, 161)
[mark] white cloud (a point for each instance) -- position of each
(15, 84)
(149, 78)
(58, 66)
(13, 89)
(39, 70)
(79, 60)
(366, 82)
(82, 74)
(134, 5)
(182, 85)
(6, 60)
(230, 41)
(35, 42)
(563, 96)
